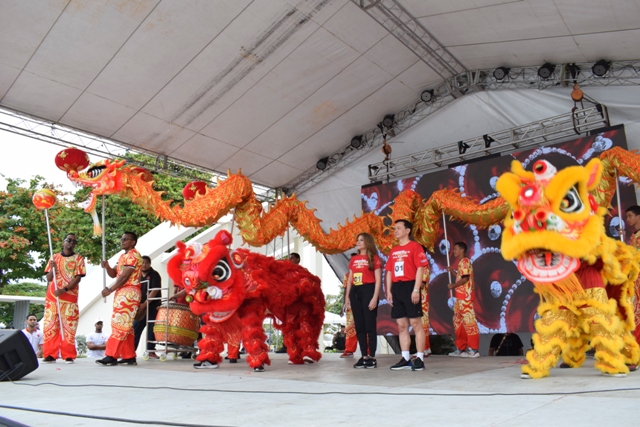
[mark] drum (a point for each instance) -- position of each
(183, 325)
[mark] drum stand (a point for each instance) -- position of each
(169, 347)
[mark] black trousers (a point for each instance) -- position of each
(363, 318)
(139, 325)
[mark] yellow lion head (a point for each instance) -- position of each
(553, 220)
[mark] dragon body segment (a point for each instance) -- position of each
(259, 227)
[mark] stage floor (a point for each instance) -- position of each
(325, 394)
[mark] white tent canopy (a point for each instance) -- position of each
(270, 86)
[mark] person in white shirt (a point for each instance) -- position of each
(33, 334)
(97, 341)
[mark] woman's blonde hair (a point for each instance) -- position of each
(370, 246)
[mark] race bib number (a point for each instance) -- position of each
(398, 269)
(357, 279)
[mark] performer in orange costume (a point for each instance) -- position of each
(69, 269)
(424, 295)
(125, 303)
(464, 317)
(633, 219)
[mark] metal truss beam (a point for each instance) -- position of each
(64, 136)
(408, 30)
(538, 133)
(620, 73)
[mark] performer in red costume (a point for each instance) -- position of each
(464, 317)
(125, 303)
(363, 291)
(352, 341)
(633, 219)
(424, 295)
(69, 270)
(403, 282)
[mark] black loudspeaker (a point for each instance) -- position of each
(17, 357)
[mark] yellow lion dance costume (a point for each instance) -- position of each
(555, 231)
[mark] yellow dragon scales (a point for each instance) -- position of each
(585, 279)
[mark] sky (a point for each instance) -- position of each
(22, 157)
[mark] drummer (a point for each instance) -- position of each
(150, 283)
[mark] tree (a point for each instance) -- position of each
(24, 289)
(23, 232)
(23, 236)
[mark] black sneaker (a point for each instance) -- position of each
(402, 365)
(370, 363)
(68, 360)
(360, 363)
(233, 360)
(205, 365)
(49, 359)
(259, 369)
(131, 361)
(417, 365)
(107, 361)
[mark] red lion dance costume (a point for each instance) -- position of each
(235, 291)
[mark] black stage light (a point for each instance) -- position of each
(600, 68)
(323, 163)
(427, 96)
(501, 72)
(356, 142)
(388, 120)
(546, 70)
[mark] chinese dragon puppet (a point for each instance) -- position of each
(235, 291)
(585, 279)
(554, 230)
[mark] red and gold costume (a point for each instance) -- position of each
(424, 295)
(464, 316)
(635, 242)
(126, 301)
(585, 278)
(352, 341)
(66, 268)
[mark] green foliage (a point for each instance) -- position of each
(335, 303)
(81, 342)
(23, 289)
(23, 232)
(23, 236)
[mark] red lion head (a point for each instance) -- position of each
(211, 276)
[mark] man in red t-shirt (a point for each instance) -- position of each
(403, 281)
(464, 316)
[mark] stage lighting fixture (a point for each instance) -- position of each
(501, 72)
(356, 142)
(323, 163)
(427, 96)
(388, 120)
(462, 147)
(600, 68)
(546, 70)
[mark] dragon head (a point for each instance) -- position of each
(210, 274)
(104, 177)
(554, 221)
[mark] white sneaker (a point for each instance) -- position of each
(427, 352)
(620, 375)
(205, 365)
(470, 353)
(456, 353)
